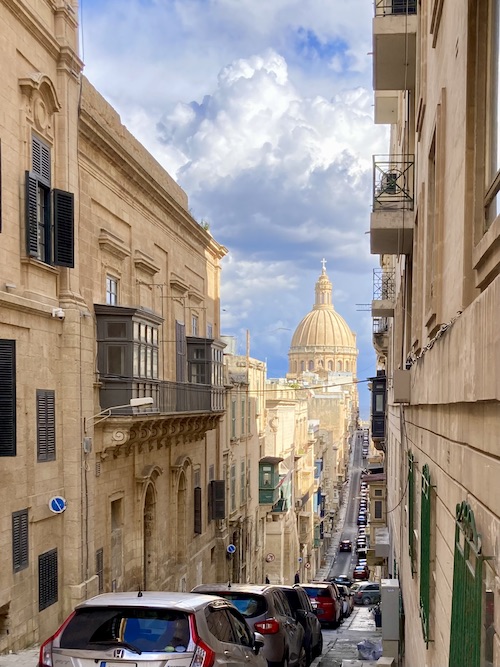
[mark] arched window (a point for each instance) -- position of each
(347, 366)
(330, 365)
(310, 365)
(339, 365)
(302, 366)
(320, 363)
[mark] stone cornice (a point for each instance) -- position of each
(145, 263)
(120, 435)
(113, 244)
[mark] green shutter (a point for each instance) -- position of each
(465, 634)
(425, 551)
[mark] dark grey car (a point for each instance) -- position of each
(302, 608)
(267, 611)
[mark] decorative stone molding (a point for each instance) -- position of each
(113, 244)
(41, 102)
(145, 263)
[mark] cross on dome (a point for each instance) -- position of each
(323, 262)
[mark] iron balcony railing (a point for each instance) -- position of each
(384, 288)
(168, 397)
(380, 325)
(393, 182)
(391, 7)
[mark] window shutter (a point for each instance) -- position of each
(46, 425)
(180, 351)
(31, 213)
(64, 228)
(40, 160)
(20, 540)
(99, 568)
(197, 510)
(7, 397)
(218, 499)
(47, 579)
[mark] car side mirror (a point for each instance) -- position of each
(258, 642)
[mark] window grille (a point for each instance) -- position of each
(20, 544)
(47, 579)
(465, 634)
(425, 551)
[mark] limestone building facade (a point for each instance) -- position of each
(436, 227)
(109, 296)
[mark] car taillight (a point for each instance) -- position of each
(45, 657)
(203, 655)
(269, 627)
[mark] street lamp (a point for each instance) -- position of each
(104, 414)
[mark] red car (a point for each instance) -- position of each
(329, 602)
(361, 572)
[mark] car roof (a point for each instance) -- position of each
(188, 602)
(236, 588)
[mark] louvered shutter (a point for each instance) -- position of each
(7, 397)
(20, 540)
(64, 228)
(217, 499)
(40, 160)
(197, 510)
(46, 425)
(31, 216)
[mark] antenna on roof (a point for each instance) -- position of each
(139, 594)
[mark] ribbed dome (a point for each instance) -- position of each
(323, 327)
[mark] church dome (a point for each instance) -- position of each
(323, 342)
(323, 326)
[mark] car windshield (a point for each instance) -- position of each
(246, 603)
(141, 629)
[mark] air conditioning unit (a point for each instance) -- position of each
(389, 182)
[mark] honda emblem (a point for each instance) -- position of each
(118, 653)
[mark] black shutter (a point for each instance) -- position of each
(99, 568)
(47, 579)
(46, 424)
(20, 540)
(64, 228)
(217, 499)
(7, 397)
(180, 352)
(40, 160)
(31, 215)
(197, 510)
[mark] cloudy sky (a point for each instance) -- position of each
(262, 110)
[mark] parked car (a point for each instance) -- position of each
(362, 520)
(345, 545)
(361, 572)
(154, 629)
(348, 599)
(266, 609)
(300, 604)
(366, 592)
(341, 579)
(327, 596)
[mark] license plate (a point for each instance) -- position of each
(113, 663)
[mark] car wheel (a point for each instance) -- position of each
(367, 601)
(319, 646)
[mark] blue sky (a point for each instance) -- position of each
(262, 110)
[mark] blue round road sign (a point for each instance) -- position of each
(57, 504)
(231, 548)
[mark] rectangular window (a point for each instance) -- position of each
(411, 511)
(243, 484)
(145, 351)
(48, 589)
(180, 352)
(217, 497)
(111, 291)
(233, 418)
(242, 416)
(99, 569)
(232, 487)
(492, 171)
(20, 550)
(378, 509)
(7, 397)
(49, 213)
(46, 424)
(210, 331)
(197, 510)
(194, 325)
(425, 551)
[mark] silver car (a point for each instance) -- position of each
(268, 612)
(154, 630)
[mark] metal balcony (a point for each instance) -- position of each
(394, 44)
(384, 293)
(392, 218)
